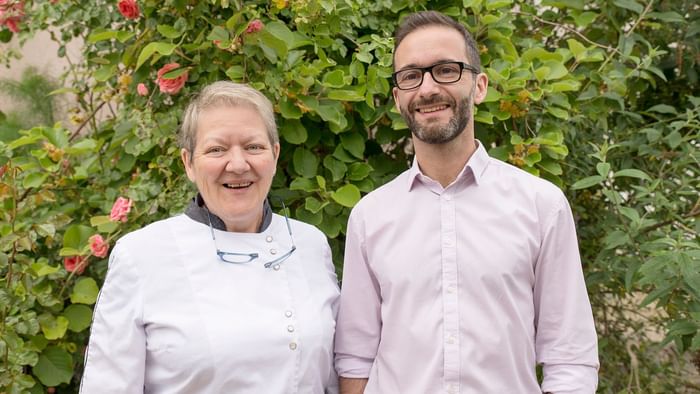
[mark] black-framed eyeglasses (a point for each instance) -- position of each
(244, 258)
(443, 72)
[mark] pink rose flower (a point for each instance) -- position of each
(75, 264)
(254, 26)
(129, 9)
(11, 14)
(170, 85)
(141, 89)
(120, 210)
(98, 246)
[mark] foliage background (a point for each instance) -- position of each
(601, 97)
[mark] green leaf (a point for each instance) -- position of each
(168, 31)
(53, 327)
(35, 179)
(334, 79)
(603, 169)
(632, 173)
(288, 109)
(305, 162)
(218, 33)
(587, 182)
(629, 5)
(359, 171)
(313, 205)
(101, 35)
(79, 317)
(83, 146)
(303, 184)
(100, 219)
(163, 48)
(557, 70)
(55, 366)
(293, 131)
(663, 109)
(347, 195)
(354, 143)
(43, 269)
(615, 239)
(669, 16)
(585, 18)
(235, 72)
(336, 167)
(85, 291)
(105, 73)
(76, 236)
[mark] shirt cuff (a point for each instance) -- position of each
(353, 367)
(569, 379)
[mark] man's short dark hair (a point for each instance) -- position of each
(415, 21)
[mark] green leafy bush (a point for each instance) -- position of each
(600, 97)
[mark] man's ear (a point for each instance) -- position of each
(481, 87)
(395, 92)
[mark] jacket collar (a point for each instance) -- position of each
(197, 211)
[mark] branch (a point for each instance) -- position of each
(85, 122)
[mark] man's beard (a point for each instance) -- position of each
(436, 133)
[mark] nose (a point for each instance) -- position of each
(237, 162)
(429, 87)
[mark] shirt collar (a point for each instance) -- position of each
(197, 211)
(476, 165)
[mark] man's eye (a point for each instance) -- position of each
(409, 76)
(447, 70)
(255, 147)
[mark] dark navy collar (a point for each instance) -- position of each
(197, 211)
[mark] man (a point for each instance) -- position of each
(463, 273)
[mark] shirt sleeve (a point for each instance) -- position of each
(116, 353)
(565, 341)
(359, 319)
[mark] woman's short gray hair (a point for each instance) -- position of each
(222, 94)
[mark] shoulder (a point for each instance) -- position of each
(522, 182)
(154, 232)
(302, 230)
(383, 195)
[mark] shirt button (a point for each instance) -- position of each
(450, 289)
(290, 328)
(450, 341)
(288, 313)
(448, 198)
(273, 251)
(293, 346)
(269, 238)
(276, 267)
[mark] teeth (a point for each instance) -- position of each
(432, 109)
(237, 185)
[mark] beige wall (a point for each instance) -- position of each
(39, 52)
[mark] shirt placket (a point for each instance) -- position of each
(450, 295)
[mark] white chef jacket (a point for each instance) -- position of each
(173, 318)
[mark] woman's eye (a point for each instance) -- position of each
(214, 149)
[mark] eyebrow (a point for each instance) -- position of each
(414, 65)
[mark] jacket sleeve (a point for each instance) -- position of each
(116, 353)
(565, 341)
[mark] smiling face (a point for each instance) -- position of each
(232, 164)
(437, 113)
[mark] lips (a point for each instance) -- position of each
(237, 185)
(434, 108)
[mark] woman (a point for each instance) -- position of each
(228, 297)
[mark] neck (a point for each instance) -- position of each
(443, 162)
(245, 224)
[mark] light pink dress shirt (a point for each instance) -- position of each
(465, 289)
